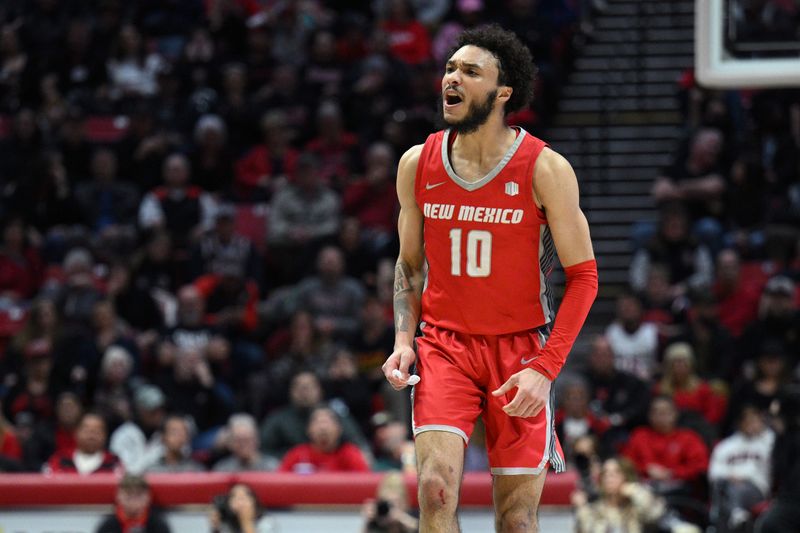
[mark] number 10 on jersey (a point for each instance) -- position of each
(479, 253)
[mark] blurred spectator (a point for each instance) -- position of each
(184, 210)
(193, 389)
(390, 512)
(223, 245)
(238, 511)
(325, 451)
(113, 395)
(700, 406)
(176, 447)
(144, 148)
(761, 388)
(78, 294)
(34, 392)
(392, 447)
(192, 333)
(345, 385)
(304, 215)
(139, 442)
(697, 178)
(669, 457)
(131, 70)
(47, 198)
(132, 510)
(21, 268)
(109, 205)
(266, 168)
(154, 267)
(633, 342)
(298, 348)
(740, 470)
(52, 436)
(79, 69)
(90, 454)
(408, 38)
(573, 418)
(212, 161)
(374, 342)
(623, 505)
(242, 441)
(615, 395)
(778, 318)
(690, 264)
(712, 344)
(10, 449)
(287, 427)
(21, 153)
(42, 323)
(372, 199)
(469, 14)
(333, 299)
(322, 80)
(737, 295)
(134, 304)
(783, 514)
(334, 148)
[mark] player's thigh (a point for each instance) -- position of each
(517, 493)
(440, 461)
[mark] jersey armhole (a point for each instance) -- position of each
(422, 163)
(537, 151)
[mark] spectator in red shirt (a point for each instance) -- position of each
(334, 147)
(10, 450)
(737, 296)
(408, 39)
(325, 451)
(669, 456)
(20, 265)
(372, 199)
(700, 406)
(90, 454)
(267, 165)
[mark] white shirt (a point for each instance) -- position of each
(634, 352)
(744, 457)
(87, 463)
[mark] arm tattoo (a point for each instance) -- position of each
(404, 292)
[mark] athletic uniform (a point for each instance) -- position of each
(486, 304)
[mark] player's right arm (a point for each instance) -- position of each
(408, 272)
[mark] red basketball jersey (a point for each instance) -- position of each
(487, 245)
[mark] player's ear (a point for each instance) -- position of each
(504, 93)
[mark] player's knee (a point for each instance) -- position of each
(436, 491)
(518, 520)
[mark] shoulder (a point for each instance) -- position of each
(551, 164)
(410, 159)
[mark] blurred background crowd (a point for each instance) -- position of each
(198, 237)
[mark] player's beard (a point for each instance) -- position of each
(477, 115)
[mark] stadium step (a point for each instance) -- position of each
(618, 123)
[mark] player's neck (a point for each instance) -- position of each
(485, 143)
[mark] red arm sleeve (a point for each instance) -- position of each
(578, 298)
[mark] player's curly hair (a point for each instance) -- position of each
(515, 62)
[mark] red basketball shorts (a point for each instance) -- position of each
(458, 372)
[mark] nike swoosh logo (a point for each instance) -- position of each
(429, 186)
(524, 361)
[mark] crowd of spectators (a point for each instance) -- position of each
(694, 383)
(198, 224)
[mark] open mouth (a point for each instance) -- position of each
(452, 98)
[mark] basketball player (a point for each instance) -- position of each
(482, 204)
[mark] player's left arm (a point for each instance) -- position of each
(556, 189)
